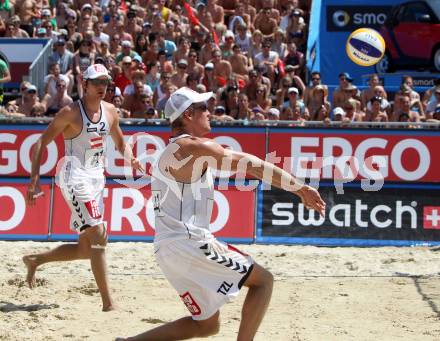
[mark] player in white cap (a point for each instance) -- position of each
(84, 125)
(206, 273)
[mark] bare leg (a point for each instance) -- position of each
(66, 252)
(98, 240)
(260, 283)
(181, 329)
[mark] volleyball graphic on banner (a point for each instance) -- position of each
(365, 47)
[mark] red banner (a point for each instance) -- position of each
(16, 146)
(129, 214)
(329, 154)
(17, 219)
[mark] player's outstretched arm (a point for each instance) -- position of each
(226, 159)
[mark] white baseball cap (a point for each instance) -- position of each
(338, 111)
(181, 99)
(95, 71)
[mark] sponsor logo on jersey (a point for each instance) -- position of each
(96, 142)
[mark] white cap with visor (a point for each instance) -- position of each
(181, 100)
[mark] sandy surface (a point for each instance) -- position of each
(320, 294)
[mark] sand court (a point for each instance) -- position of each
(320, 294)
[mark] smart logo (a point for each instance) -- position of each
(350, 18)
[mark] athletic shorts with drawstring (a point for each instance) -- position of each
(206, 275)
(86, 204)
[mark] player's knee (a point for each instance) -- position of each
(209, 327)
(98, 237)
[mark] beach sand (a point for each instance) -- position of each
(319, 294)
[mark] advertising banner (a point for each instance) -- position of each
(395, 215)
(19, 221)
(16, 143)
(129, 214)
(357, 154)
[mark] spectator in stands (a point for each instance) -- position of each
(352, 111)
(182, 50)
(194, 67)
(243, 38)
(406, 90)
(432, 104)
(368, 93)
(153, 76)
(435, 115)
(257, 40)
(430, 93)
(138, 102)
(339, 95)
(262, 99)
(230, 101)
(179, 77)
(315, 81)
(13, 29)
(138, 75)
(375, 113)
(270, 59)
(208, 79)
(413, 116)
(244, 112)
(281, 94)
(338, 114)
(54, 102)
(226, 47)
(64, 58)
(28, 13)
(5, 77)
(240, 64)
(265, 23)
(28, 100)
(273, 114)
(126, 51)
(124, 78)
(162, 89)
(294, 101)
(318, 100)
(50, 81)
(222, 68)
(279, 45)
(82, 59)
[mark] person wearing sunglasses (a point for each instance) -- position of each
(205, 272)
(84, 125)
(53, 103)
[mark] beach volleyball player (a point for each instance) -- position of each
(84, 125)
(206, 273)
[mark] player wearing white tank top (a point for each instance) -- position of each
(84, 126)
(206, 273)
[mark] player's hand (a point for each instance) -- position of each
(311, 199)
(135, 164)
(33, 192)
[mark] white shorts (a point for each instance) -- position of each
(86, 204)
(205, 275)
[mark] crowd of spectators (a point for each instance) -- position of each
(251, 53)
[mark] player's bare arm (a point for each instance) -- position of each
(61, 123)
(202, 153)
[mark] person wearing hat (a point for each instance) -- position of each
(318, 98)
(126, 50)
(84, 125)
(28, 100)
(375, 113)
(338, 114)
(294, 101)
(206, 273)
(339, 95)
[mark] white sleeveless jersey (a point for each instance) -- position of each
(182, 210)
(85, 153)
